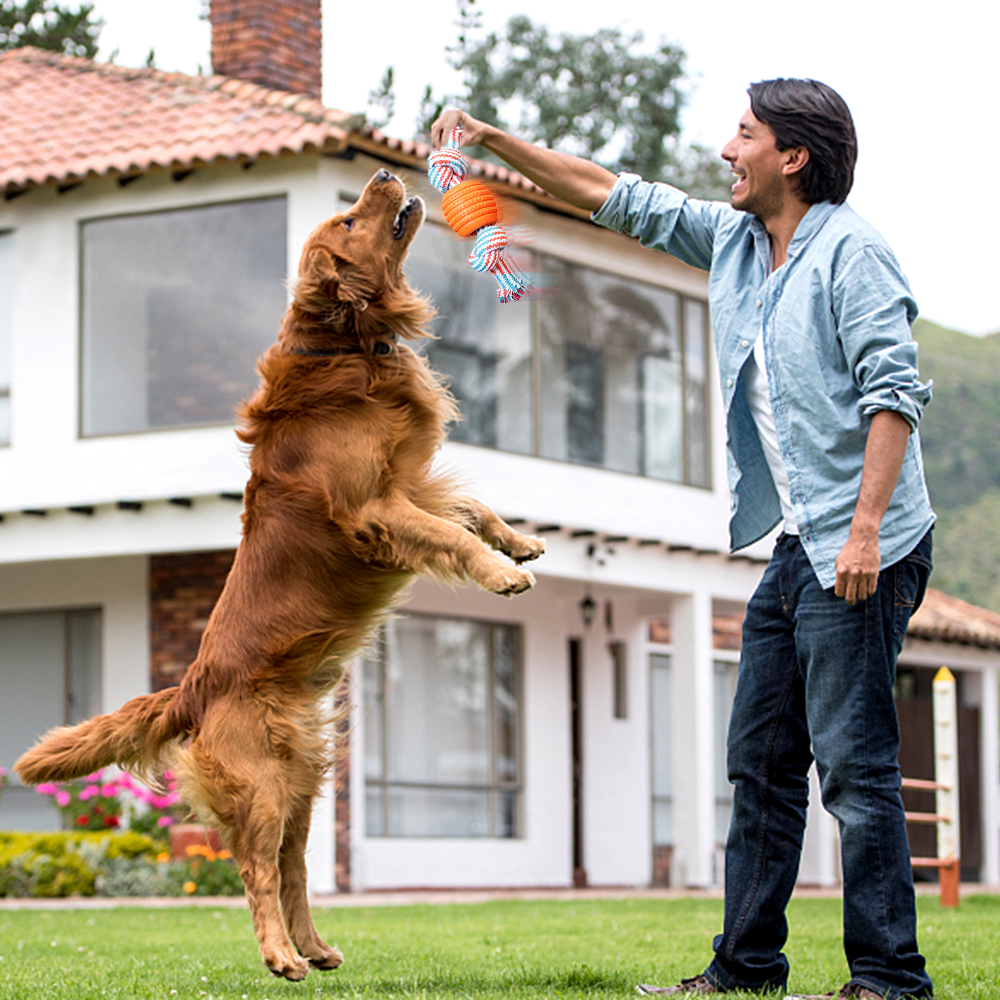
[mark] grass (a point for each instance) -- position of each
(520, 950)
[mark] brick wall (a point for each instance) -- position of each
(276, 43)
(183, 589)
(663, 856)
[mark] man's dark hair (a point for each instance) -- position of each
(811, 114)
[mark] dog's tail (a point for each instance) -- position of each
(132, 737)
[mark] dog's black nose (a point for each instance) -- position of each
(382, 176)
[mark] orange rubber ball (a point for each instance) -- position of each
(470, 206)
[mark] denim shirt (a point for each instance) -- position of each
(836, 321)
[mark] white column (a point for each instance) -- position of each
(693, 745)
(989, 762)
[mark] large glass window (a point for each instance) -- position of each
(6, 330)
(50, 675)
(596, 369)
(176, 308)
(441, 725)
(483, 347)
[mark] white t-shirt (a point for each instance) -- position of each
(759, 400)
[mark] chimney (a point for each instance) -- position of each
(276, 43)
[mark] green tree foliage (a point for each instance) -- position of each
(47, 24)
(605, 96)
(961, 449)
(382, 101)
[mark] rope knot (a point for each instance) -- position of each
(446, 169)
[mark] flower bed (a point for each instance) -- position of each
(88, 863)
(115, 844)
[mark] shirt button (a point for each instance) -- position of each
(759, 303)
(746, 343)
(729, 382)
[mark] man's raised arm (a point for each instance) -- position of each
(572, 179)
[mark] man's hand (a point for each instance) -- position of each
(858, 567)
(859, 560)
(572, 179)
(473, 130)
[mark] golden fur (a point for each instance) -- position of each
(341, 509)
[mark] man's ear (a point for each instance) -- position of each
(796, 157)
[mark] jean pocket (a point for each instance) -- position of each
(909, 580)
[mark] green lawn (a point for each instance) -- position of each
(517, 949)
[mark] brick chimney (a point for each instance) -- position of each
(276, 43)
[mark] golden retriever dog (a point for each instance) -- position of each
(342, 508)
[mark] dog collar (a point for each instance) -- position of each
(380, 348)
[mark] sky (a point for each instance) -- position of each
(919, 78)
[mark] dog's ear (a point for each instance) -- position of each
(326, 281)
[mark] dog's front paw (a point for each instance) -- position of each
(512, 581)
(524, 548)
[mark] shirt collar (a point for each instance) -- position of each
(812, 222)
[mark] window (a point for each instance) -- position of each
(50, 675)
(598, 370)
(661, 729)
(442, 720)
(176, 308)
(483, 347)
(6, 330)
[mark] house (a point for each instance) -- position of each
(573, 735)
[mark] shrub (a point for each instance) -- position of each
(206, 873)
(110, 864)
(68, 863)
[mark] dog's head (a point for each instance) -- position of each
(350, 272)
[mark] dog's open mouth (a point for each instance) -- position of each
(399, 226)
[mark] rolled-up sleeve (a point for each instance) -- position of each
(663, 218)
(874, 309)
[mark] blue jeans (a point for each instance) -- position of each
(816, 679)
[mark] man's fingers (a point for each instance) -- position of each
(441, 129)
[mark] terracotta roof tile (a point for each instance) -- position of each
(64, 119)
(947, 619)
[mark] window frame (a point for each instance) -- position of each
(283, 195)
(684, 339)
(497, 785)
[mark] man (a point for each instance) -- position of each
(811, 318)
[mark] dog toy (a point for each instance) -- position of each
(470, 207)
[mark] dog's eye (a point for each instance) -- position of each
(348, 224)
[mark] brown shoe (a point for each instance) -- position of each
(698, 984)
(849, 990)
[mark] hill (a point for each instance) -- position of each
(960, 434)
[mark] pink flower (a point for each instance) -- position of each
(89, 792)
(110, 790)
(47, 788)
(3, 772)
(164, 821)
(63, 798)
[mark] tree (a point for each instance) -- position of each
(49, 25)
(603, 96)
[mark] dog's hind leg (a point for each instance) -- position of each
(294, 898)
(256, 845)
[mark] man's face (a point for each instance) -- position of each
(761, 182)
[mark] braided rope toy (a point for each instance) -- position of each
(470, 207)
